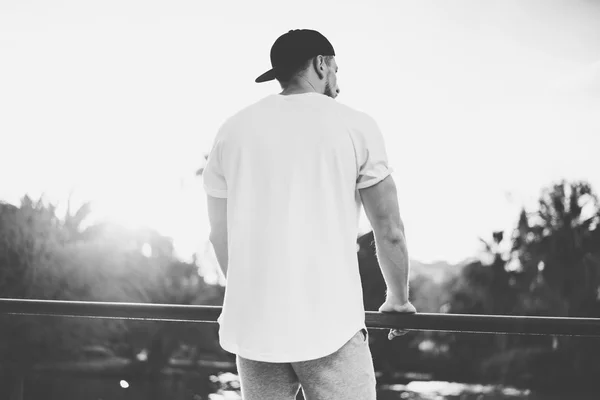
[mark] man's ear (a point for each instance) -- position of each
(319, 65)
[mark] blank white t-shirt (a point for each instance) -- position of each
(290, 168)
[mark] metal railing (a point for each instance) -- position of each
(469, 323)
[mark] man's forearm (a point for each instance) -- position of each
(219, 243)
(392, 255)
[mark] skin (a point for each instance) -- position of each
(393, 305)
(319, 77)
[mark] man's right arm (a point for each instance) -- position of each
(380, 202)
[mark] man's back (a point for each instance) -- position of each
(290, 167)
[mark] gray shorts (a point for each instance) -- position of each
(346, 374)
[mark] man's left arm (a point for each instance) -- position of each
(215, 186)
(217, 215)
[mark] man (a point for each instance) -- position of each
(285, 180)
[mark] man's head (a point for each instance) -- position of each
(303, 58)
(319, 72)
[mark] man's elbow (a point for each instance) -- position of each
(394, 237)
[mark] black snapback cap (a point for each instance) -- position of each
(293, 48)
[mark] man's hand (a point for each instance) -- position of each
(392, 305)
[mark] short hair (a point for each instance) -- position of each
(285, 76)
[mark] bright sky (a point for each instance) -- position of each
(481, 103)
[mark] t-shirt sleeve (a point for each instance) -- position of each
(371, 154)
(213, 176)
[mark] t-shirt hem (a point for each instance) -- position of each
(221, 194)
(374, 181)
(281, 358)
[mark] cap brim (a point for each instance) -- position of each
(267, 76)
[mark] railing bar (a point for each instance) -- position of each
(466, 323)
(406, 326)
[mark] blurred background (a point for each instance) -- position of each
(490, 112)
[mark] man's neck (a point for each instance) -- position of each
(299, 87)
(287, 92)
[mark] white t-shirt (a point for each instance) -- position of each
(290, 168)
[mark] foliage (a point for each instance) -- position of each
(559, 246)
(549, 265)
(43, 256)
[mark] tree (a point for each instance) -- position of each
(559, 249)
(561, 242)
(550, 268)
(45, 257)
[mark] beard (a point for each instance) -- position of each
(329, 90)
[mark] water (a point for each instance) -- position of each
(225, 386)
